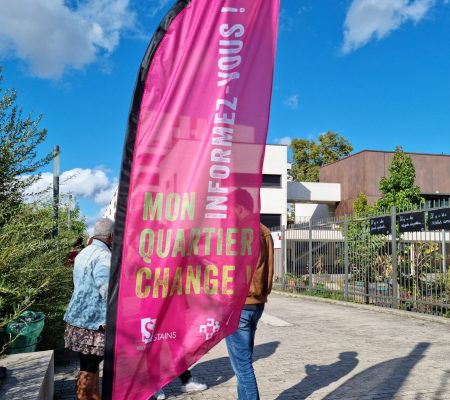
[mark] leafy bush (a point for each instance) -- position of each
(33, 269)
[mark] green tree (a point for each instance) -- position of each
(364, 248)
(309, 156)
(361, 206)
(33, 269)
(19, 139)
(398, 189)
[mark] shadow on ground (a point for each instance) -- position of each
(382, 380)
(63, 357)
(222, 367)
(444, 386)
(66, 368)
(319, 376)
(65, 388)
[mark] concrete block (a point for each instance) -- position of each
(29, 376)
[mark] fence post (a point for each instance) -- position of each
(444, 254)
(310, 256)
(394, 258)
(283, 251)
(56, 154)
(346, 263)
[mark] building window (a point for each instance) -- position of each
(271, 181)
(271, 220)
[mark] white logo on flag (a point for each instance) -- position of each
(210, 328)
(147, 329)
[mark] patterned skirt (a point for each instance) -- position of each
(84, 341)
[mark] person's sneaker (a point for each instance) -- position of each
(159, 395)
(193, 386)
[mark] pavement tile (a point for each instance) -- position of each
(329, 352)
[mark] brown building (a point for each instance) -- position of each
(361, 172)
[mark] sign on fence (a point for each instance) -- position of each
(412, 222)
(276, 236)
(380, 226)
(439, 219)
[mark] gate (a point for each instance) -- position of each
(397, 260)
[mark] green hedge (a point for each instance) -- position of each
(33, 270)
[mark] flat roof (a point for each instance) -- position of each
(385, 151)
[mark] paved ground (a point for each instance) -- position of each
(308, 349)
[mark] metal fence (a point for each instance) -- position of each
(343, 258)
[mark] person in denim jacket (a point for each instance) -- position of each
(86, 313)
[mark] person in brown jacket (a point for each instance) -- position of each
(240, 344)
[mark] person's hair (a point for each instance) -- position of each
(103, 228)
(243, 198)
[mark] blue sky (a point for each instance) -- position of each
(375, 71)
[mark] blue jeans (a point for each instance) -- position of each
(240, 349)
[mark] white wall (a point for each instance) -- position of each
(306, 211)
(110, 211)
(314, 192)
(313, 199)
(275, 159)
(274, 200)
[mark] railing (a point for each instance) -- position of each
(396, 266)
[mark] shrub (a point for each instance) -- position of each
(33, 269)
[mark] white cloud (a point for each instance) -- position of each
(375, 19)
(284, 140)
(104, 196)
(90, 184)
(92, 219)
(52, 37)
(292, 101)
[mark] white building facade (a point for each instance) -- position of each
(273, 191)
(313, 200)
(308, 199)
(274, 186)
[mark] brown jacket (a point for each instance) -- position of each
(261, 284)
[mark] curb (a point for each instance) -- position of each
(382, 310)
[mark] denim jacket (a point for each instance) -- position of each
(87, 308)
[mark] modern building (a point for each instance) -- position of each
(274, 186)
(313, 200)
(361, 173)
(273, 191)
(340, 184)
